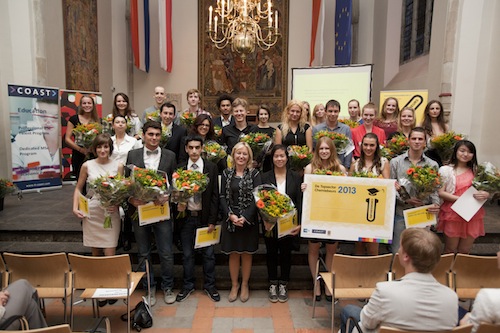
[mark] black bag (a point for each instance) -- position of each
(141, 316)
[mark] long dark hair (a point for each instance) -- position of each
(427, 123)
(472, 164)
(376, 154)
(198, 121)
(128, 110)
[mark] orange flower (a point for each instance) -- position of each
(175, 175)
(410, 171)
(260, 204)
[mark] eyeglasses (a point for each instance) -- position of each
(203, 125)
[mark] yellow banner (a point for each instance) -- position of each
(416, 99)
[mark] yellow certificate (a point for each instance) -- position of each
(83, 205)
(286, 224)
(204, 239)
(151, 213)
(419, 217)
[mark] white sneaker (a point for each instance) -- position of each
(151, 298)
(169, 296)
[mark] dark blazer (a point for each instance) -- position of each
(167, 164)
(209, 197)
(293, 182)
(176, 142)
(218, 121)
(250, 212)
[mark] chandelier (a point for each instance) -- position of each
(243, 24)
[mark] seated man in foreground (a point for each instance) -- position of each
(416, 301)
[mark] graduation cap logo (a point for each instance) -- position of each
(372, 191)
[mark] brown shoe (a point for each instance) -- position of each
(233, 294)
(244, 294)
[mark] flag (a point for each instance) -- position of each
(318, 23)
(139, 30)
(343, 32)
(165, 23)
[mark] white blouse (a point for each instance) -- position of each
(120, 151)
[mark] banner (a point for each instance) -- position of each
(348, 208)
(416, 99)
(35, 136)
(69, 102)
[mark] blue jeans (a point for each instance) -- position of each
(399, 226)
(188, 233)
(163, 236)
(346, 312)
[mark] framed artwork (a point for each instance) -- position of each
(260, 79)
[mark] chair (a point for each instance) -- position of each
(353, 277)
(488, 328)
(459, 329)
(48, 273)
(471, 273)
(65, 328)
(442, 271)
(93, 273)
(3, 274)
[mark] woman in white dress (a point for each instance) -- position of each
(101, 240)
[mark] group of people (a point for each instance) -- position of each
(233, 206)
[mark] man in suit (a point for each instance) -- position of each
(174, 132)
(151, 156)
(224, 104)
(200, 213)
(415, 302)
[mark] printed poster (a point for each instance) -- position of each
(416, 99)
(35, 137)
(348, 208)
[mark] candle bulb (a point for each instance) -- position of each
(215, 22)
(258, 7)
(244, 8)
(210, 18)
(223, 11)
(276, 20)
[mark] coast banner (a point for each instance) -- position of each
(348, 208)
(35, 137)
(69, 102)
(416, 99)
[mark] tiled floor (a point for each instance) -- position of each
(199, 314)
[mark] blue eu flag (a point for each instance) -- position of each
(343, 32)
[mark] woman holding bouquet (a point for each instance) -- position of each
(324, 158)
(434, 125)
(121, 106)
(370, 160)
(294, 129)
(240, 230)
(457, 178)
(279, 250)
(87, 113)
(406, 122)
(204, 127)
(101, 240)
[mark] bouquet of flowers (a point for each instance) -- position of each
(272, 205)
(397, 145)
(326, 172)
(187, 119)
(153, 115)
(425, 179)
(299, 157)
(187, 184)
(351, 123)
(147, 185)
(218, 131)
(365, 174)
(86, 133)
(341, 141)
(386, 152)
(7, 187)
(165, 137)
(444, 144)
(213, 151)
(107, 124)
(487, 178)
(258, 142)
(111, 191)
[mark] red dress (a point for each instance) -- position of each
(451, 223)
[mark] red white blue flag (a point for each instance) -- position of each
(140, 32)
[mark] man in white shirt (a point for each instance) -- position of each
(417, 301)
(159, 97)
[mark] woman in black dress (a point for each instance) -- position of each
(240, 230)
(294, 129)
